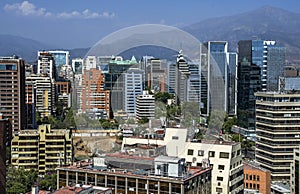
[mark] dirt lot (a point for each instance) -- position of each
(87, 146)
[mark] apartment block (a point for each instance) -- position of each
(12, 87)
(256, 179)
(95, 100)
(277, 131)
(43, 149)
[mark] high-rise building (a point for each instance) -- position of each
(46, 65)
(182, 74)
(145, 106)
(218, 77)
(248, 83)
(171, 78)
(12, 86)
(61, 57)
(157, 79)
(40, 94)
(194, 83)
(115, 80)
(270, 61)
(295, 173)
(94, 98)
(277, 131)
(77, 65)
(133, 88)
(43, 149)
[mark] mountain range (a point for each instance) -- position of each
(267, 22)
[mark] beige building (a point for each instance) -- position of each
(277, 131)
(43, 149)
(295, 181)
(225, 158)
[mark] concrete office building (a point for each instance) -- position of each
(277, 131)
(165, 175)
(12, 86)
(94, 98)
(133, 88)
(295, 175)
(145, 106)
(43, 149)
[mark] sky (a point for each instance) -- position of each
(82, 23)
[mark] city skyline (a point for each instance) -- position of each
(64, 24)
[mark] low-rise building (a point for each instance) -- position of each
(171, 175)
(257, 179)
(225, 158)
(43, 149)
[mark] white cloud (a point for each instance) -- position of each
(26, 8)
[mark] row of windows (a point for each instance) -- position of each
(211, 153)
(252, 177)
(252, 186)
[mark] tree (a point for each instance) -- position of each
(19, 180)
(228, 123)
(48, 182)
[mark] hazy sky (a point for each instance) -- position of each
(81, 23)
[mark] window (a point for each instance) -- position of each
(200, 152)
(254, 177)
(175, 137)
(250, 177)
(257, 178)
(246, 176)
(250, 186)
(219, 190)
(257, 186)
(211, 154)
(221, 167)
(219, 178)
(238, 152)
(190, 152)
(246, 185)
(224, 155)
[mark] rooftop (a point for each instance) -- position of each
(251, 165)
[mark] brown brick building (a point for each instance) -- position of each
(257, 178)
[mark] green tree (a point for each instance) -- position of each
(228, 123)
(48, 182)
(19, 180)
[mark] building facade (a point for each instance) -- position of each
(256, 179)
(225, 158)
(145, 106)
(43, 149)
(277, 131)
(295, 175)
(132, 181)
(12, 86)
(133, 88)
(95, 99)
(218, 77)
